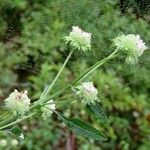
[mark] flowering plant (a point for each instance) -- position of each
(17, 106)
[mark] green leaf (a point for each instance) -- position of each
(17, 133)
(82, 128)
(97, 111)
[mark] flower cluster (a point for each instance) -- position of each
(18, 102)
(131, 45)
(87, 92)
(48, 109)
(79, 39)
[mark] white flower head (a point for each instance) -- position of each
(131, 45)
(18, 102)
(79, 39)
(48, 109)
(87, 92)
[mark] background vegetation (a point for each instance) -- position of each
(32, 50)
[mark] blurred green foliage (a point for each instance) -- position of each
(32, 50)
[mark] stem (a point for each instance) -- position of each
(86, 73)
(80, 78)
(64, 97)
(65, 101)
(57, 76)
(94, 67)
(48, 89)
(17, 121)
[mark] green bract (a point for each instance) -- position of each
(87, 92)
(79, 39)
(131, 45)
(18, 102)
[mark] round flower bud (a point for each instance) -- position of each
(79, 39)
(47, 110)
(131, 45)
(88, 93)
(18, 102)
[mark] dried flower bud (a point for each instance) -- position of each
(48, 109)
(18, 102)
(131, 45)
(87, 92)
(79, 39)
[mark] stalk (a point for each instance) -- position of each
(48, 89)
(17, 121)
(85, 74)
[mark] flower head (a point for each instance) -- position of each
(18, 102)
(87, 92)
(79, 39)
(131, 45)
(48, 109)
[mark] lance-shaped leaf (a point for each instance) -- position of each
(82, 128)
(97, 111)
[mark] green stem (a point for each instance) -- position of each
(65, 101)
(80, 78)
(94, 67)
(17, 121)
(86, 73)
(48, 89)
(57, 76)
(64, 97)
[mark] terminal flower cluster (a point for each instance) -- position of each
(131, 45)
(79, 39)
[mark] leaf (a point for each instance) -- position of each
(17, 133)
(82, 128)
(97, 111)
